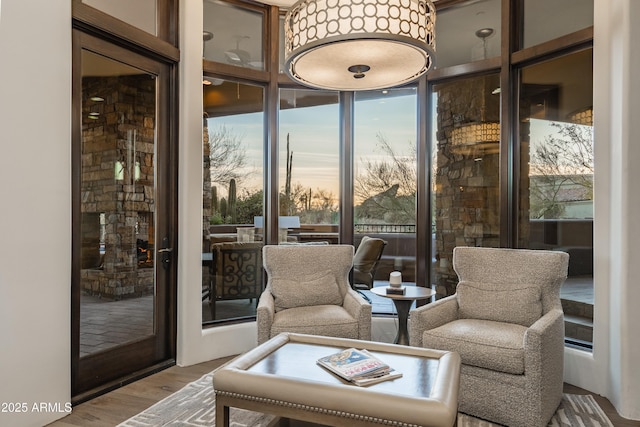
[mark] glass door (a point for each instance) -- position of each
(122, 291)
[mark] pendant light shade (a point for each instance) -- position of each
(355, 45)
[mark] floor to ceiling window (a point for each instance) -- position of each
(556, 175)
(484, 186)
(553, 136)
(309, 184)
(385, 178)
(233, 152)
(233, 146)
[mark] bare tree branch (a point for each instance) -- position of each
(228, 158)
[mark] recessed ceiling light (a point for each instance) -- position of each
(97, 99)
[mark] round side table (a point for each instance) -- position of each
(403, 305)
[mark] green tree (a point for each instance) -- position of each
(250, 205)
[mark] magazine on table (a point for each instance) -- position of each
(358, 367)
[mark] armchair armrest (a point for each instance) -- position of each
(431, 316)
(544, 353)
(360, 310)
(264, 315)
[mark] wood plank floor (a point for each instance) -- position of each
(114, 407)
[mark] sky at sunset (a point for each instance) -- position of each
(314, 135)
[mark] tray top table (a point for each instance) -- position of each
(281, 377)
(403, 304)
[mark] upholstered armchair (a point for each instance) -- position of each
(308, 292)
(506, 322)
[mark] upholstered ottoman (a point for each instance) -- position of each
(281, 377)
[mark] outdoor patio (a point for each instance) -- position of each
(105, 324)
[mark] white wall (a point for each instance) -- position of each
(194, 344)
(35, 200)
(612, 368)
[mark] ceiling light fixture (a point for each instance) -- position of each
(480, 137)
(355, 45)
(584, 116)
(206, 36)
(238, 56)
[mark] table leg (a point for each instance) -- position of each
(403, 307)
(222, 414)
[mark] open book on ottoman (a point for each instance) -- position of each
(358, 367)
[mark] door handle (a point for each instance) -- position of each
(165, 253)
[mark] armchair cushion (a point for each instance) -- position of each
(317, 289)
(520, 304)
(325, 320)
(483, 343)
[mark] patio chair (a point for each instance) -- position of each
(308, 292)
(365, 261)
(236, 272)
(506, 322)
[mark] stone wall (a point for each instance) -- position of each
(118, 185)
(466, 177)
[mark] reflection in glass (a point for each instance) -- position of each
(281, 39)
(556, 170)
(233, 129)
(139, 13)
(546, 20)
(465, 171)
(460, 36)
(232, 35)
(385, 177)
(309, 164)
(118, 203)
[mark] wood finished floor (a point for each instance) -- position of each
(114, 407)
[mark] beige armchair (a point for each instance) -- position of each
(506, 322)
(308, 292)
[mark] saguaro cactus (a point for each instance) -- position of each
(215, 203)
(232, 205)
(223, 209)
(287, 185)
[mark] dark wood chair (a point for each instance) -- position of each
(236, 272)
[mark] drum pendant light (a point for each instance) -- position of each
(352, 45)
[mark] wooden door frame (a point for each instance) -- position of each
(158, 351)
